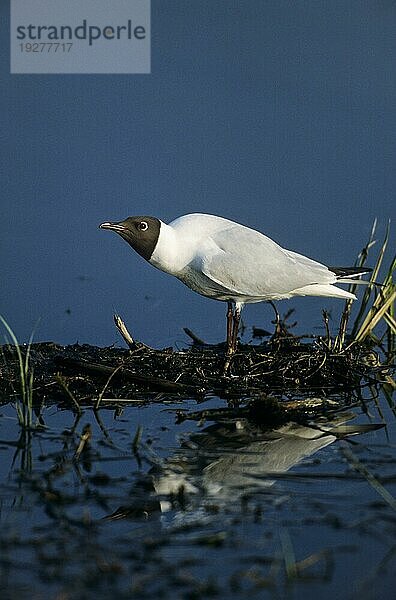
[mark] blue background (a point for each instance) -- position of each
(277, 114)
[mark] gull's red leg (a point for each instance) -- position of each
(230, 316)
(233, 320)
(278, 328)
(235, 328)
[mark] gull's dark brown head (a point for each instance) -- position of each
(141, 233)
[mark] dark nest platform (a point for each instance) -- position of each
(273, 382)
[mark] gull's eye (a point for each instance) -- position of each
(143, 226)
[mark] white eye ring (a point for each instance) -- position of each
(143, 226)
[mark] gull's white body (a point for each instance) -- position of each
(227, 261)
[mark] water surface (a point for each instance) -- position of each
(197, 509)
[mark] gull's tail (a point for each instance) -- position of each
(350, 274)
(346, 275)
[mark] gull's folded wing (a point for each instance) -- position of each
(250, 264)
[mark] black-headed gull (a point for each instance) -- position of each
(227, 261)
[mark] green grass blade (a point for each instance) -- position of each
(20, 358)
(376, 314)
(23, 407)
(370, 286)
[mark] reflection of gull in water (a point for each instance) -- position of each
(286, 447)
(228, 460)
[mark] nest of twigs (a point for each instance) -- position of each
(287, 368)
